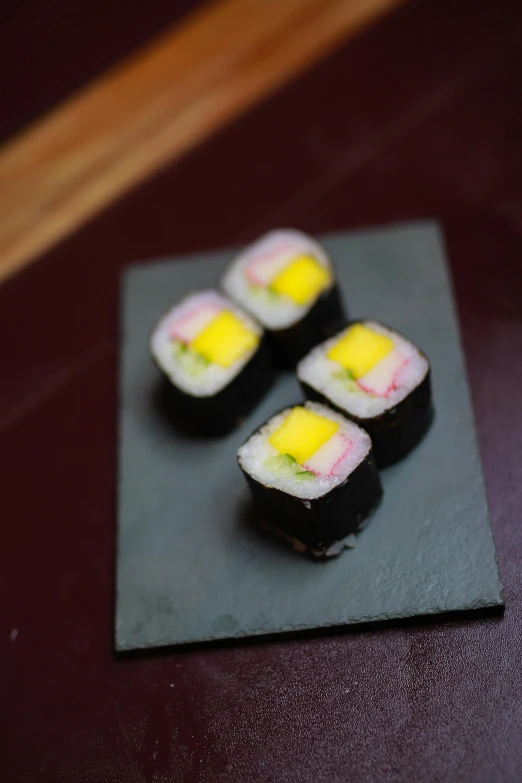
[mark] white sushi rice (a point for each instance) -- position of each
(323, 374)
(257, 449)
(213, 377)
(274, 312)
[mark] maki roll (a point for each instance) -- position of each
(216, 361)
(313, 476)
(377, 378)
(287, 281)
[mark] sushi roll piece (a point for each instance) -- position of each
(313, 476)
(377, 378)
(216, 360)
(287, 281)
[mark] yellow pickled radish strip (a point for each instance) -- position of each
(302, 280)
(360, 349)
(225, 339)
(302, 433)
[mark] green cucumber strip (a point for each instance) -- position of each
(264, 292)
(285, 466)
(344, 374)
(282, 465)
(347, 378)
(288, 460)
(192, 362)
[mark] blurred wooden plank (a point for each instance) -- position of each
(155, 106)
(53, 48)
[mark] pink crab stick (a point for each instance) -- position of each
(265, 265)
(329, 457)
(187, 327)
(382, 379)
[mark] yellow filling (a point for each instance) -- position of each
(302, 280)
(224, 340)
(302, 433)
(360, 349)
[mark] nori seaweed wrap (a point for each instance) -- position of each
(377, 378)
(216, 362)
(287, 281)
(313, 476)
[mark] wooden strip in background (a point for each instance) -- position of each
(52, 48)
(154, 107)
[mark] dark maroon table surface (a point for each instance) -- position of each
(50, 48)
(419, 117)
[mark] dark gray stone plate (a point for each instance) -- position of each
(191, 565)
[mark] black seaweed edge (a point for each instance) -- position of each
(398, 430)
(220, 413)
(326, 316)
(310, 521)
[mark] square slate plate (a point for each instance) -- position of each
(191, 566)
